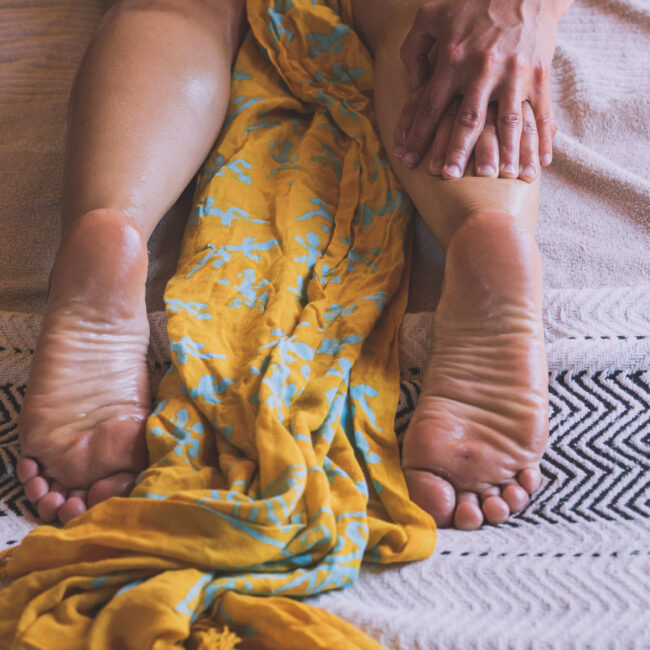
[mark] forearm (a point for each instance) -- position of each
(147, 104)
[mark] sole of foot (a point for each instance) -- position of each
(472, 450)
(81, 426)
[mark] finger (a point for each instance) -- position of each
(486, 151)
(441, 138)
(405, 120)
(509, 131)
(467, 128)
(542, 104)
(436, 95)
(417, 44)
(529, 146)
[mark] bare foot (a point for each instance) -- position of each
(82, 422)
(472, 450)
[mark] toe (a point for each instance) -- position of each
(26, 469)
(433, 494)
(515, 496)
(36, 489)
(73, 507)
(117, 485)
(530, 479)
(468, 514)
(495, 509)
(49, 505)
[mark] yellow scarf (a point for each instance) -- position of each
(274, 465)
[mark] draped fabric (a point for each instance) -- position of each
(274, 468)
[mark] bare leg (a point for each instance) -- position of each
(148, 103)
(472, 450)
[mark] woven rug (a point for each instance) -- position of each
(570, 571)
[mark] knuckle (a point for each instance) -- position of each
(491, 58)
(470, 118)
(510, 120)
(546, 121)
(520, 63)
(457, 151)
(427, 106)
(452, 53)
(529, 127)
(542, 72)
(418, 141)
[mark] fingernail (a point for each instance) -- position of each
(529, 171)
(452, 170)
(486, 170)
(436, 166)
(546, 160)
(399, 151)
(410, 159)
(509, 169)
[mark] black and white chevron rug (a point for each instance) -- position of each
(572, 570)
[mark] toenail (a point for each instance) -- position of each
(486, 170)
(508, 169)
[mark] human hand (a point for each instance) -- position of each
(486, 50)
(485, 156)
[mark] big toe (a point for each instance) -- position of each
(116, 485)
(433, 494)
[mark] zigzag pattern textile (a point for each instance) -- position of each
(274, 462)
